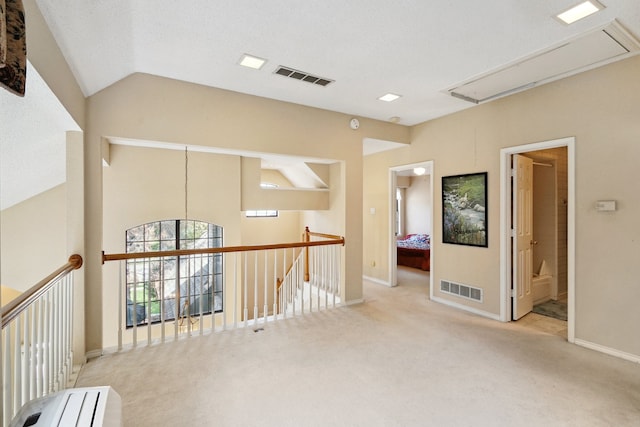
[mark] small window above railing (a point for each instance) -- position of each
(263, 213)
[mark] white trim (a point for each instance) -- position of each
(505, 235)
(352, 302)
(93, 354)
(376, 281)
(393, 255)
(393, 262)
(477, 311)
(607, 350)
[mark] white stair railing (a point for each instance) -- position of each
(37, 340)
(250, 294)
(313, 282)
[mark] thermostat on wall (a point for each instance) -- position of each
(606, 205)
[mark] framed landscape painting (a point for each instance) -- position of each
(464, 209)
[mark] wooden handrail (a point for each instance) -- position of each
(18, 305)
(326, 236)
(180, 252)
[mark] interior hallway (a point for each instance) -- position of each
(398, 359)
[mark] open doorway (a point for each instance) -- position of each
(537, 253)
(411, 222)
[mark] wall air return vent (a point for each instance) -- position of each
(463, 291)
(590, 50)
(301, 75)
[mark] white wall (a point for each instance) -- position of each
(418, 209)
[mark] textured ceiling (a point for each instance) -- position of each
(414, 48)
(32, 141)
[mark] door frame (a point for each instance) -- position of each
(505, 226)
(393, 260)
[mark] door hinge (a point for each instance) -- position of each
(513, 293)
(513, 172)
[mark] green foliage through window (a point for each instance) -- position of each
(170, 287)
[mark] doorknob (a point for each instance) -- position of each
(534, 242)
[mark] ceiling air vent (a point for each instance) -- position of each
(301, 75)
(590, 50)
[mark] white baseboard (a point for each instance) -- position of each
(608, 350)
(93, 354)
(467, 308)
(376, 281)
(353, 302)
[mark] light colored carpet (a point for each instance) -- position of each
(396, 360)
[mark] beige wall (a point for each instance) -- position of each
(600, 108)
(256, 231)
(253, 197)
(375, 194)
(142, 185)
(152, 108)
(34, 238)
(334, 221)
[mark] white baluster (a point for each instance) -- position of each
(17, 376)
(26, 356)
(147, 280)
(255, 287)
(122, 272)
(266, 308)
(275, 284)
(7, 403)
(294, 274)
(283, 285)
(65, 331)
(46, 350)
(42, 356)
(235, 291)
(56, 337)
(134, 308)
(200, 325)
(246, 308)
(35, 344)
(162, 301)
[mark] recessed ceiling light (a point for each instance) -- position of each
(579, 11)
(252, 61)
(389, 97)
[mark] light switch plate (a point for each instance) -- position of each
(606, 205)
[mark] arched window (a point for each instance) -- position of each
(156, 285)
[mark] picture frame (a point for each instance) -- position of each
(464, 209)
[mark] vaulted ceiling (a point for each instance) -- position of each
(414, 48)
(417, 49)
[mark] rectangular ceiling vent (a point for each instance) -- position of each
(591, 50)
(463, 291)
(301, 75)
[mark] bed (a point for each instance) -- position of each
(414, 250)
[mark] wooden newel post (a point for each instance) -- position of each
(307, 238)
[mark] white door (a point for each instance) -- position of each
(523, 236)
